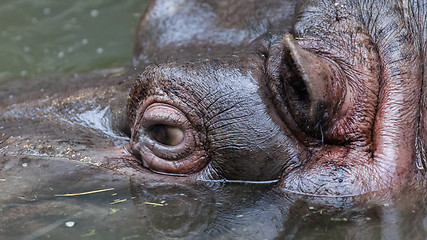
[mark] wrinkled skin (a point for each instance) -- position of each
(325, 98)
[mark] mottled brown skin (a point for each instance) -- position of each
(324, 96)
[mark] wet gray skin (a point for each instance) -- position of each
(203, 138)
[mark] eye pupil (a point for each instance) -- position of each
(167, 135)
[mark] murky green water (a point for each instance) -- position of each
(51, 37)
(208, 210)
(46, 37)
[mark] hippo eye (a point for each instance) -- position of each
(165, 141)
(167, 135)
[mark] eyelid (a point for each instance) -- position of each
(186, 156)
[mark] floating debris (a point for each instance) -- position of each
(83, 193)
(2, 180)
(154, 204)
(113, 210)
(239, 216)
(339, 219)
(89, 234)
(118, 201)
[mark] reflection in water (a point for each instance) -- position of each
(209, 210)
(248, 211)
(174, 211)
(145, 209)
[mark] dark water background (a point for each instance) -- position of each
(50, 37)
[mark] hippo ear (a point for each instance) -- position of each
(311, 86)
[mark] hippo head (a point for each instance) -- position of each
(303, 102)
(249, 117)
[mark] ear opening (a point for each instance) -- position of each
(312, 86)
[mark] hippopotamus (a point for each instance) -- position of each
(320, 97)
(326, 97)
(313, 98)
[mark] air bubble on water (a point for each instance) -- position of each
(70, 49)
(18, 38)
(94, 13)
(85, 41)
(70, 224)
(25, 164)
(26, 49)
(23, 72)
(61, 54)
(46, 11)
(99, 50)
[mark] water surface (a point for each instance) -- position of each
(46, 37)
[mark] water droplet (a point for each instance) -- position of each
(69, 224)
(425, 223)
(85, 41)
(61, 54)
(18, 38)
(46, 11)
(99, 50)
(94, 13)
(23, 72)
